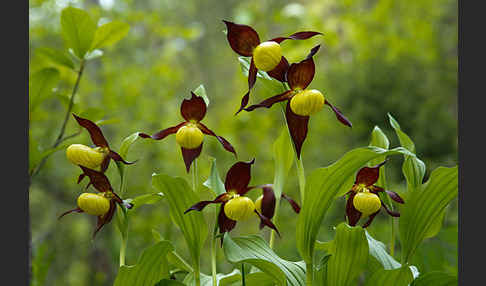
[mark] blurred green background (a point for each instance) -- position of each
(377, 56)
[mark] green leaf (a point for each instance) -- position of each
(57, 56)
(349, 254)
(424, 206)
(94, 54)
(214, 181)
(273, 86)
(405, 141)
(397, 277)
(283, 155)
(36, 155)
(180, 197)
(125, 146)
(379, 256)
(78, 30)
(379, 139)
(436, 278)
(151, 267)
(169, 282)
(173, 257)
(41, 84)
(254, 250)
(109, 34)
(323, 185)
(201, 91)
(146, 199)
(436, 225)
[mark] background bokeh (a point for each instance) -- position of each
(377, 56)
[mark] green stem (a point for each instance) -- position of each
(301, 176)
(213, 248)
(309, 273)
(194, 175)
(197, 266)
(243, 283)
(275, 217)
(123, 248)
(197, 275)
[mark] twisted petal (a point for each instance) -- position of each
(115, 156)
(97, 179)
(102, 220)
(370, 219)
(390, 212)
(298, 128)
(224, 142)
(194, 108)
(242, 38)
(76, 210)
(394, 196)
(268, 203)
(297, 36)
(94, 131)
(369, 175)
(271, 100)
(339, 115)
(280, 71)
(252, 75)
(199, 206)
(225, 224)
(266, 221)
(353, 214)
(190, 154)
(163, 133)
(300, 74)
(294, 205)
(238, 177)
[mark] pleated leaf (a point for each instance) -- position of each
(436, 278)
(397, 277)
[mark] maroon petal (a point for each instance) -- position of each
(301, 74)
(294, 205)
(202, 204)
(194, 108)
(102, 220)
(394, 196)
(271, 100)
(115, 156)
(163, 133)
(339, 115)
(268, 203)
(369, 175)
(280, 71)
(297, 36)
(242, 38)
(94, 131)
(225, 224)
(105, 164)
(390, 212)
(190, 155)
(81, 177)
(298, 128)
(224, 142)
(266, 221)
(76, 210)
(370, 219)
(97, 179)
(252, 75)
(244, 102)
(353, 214)
(238, 177)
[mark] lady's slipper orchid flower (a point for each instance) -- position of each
(93, 158)
(301, 101)
(363, 200)
(234, 205)
(102, 205)
(190, 133)
(266, 56)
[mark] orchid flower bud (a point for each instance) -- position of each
(239, 208)
(267, 55)
(85, 156)
(307, 102)
(189, 136)
(367, 203)
(93, 204)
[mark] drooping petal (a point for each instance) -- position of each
(267, 103)
(268, 203)
(80, 178)
(297, 36)
(242, 38)
(115, 156)
(224, 142)
(238, 177)
(394, 196)
(280, 71)
(298, 128)
(294, 204)
(370, 219)
(105, 164)
(339, 114)
(266, 221)
(76, 210)
(351, 212)
(252, 75)
(225, 223)
(102, 220)
(97, 179)
(194, 108)
(163, 133)
(369, 175)
(94, 131)
(390, 212)
(190, 155)
(199, 206)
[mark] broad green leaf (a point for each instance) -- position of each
(231, 279)
(349, 254)
(78, 30)
(397, 277)
(320, 275)
(41, 263)
(57, 56)
(436, 225)
(273, 86)
(109, 34)
(173, 257)
(283, 156)
(379, 258)
(424, 206)
(405, 141)
(41, 84)
(214, 181)
(201, 91)
(436, 278)
(151, 267)
(146, 199)
(169, 282)
(254, 250)
(323, 185)
(125, 146)
(379, 139)
(180, 197)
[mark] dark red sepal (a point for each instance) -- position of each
(390, 212)
(225, 224)
(294, 205)
(80, 178)
(244, 102)
(268, 203)
(194, 108)
(115, 156)
(297, 36)
(252, 75)
(163, 133)
(199, 206)
(339, 114)
(280, 71)
(266, 221)
(267, 103)
(105, 164)
(97, 179)
(94, 131)
(224, 142)
(370, 219)
(369, 175)
(238, 177)
(394, 196)
(76, 210)
(352, 213)
(190, 155)
(297, 127)
(102, 220)
(242, 38)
